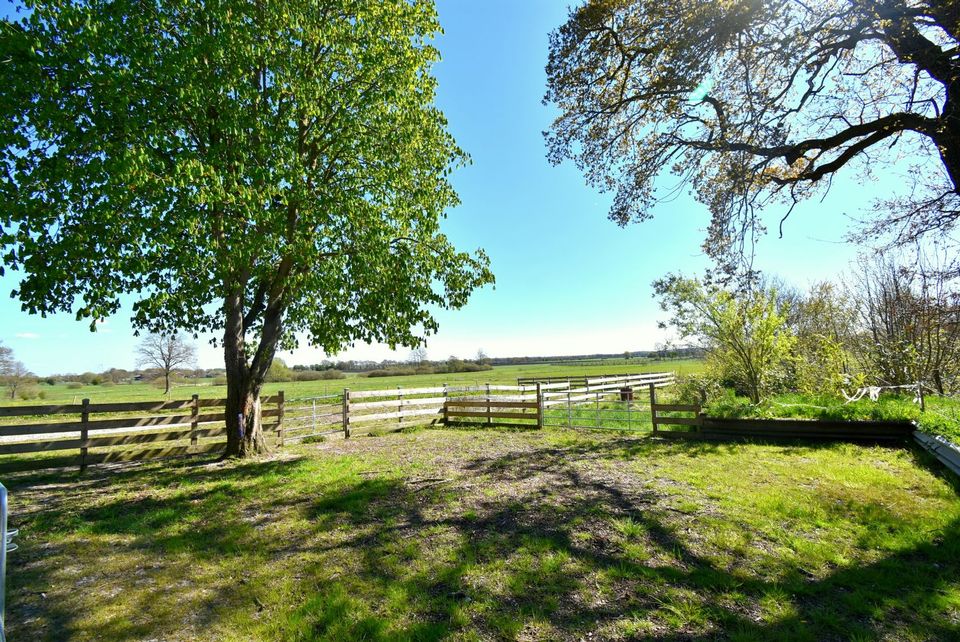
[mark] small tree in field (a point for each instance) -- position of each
(746, 335)
(418, 355)
(166, 354)
(262, 171)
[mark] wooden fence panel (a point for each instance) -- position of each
(98, 440)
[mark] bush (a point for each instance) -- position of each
(28, 392)
(219, 381)
(279, 372)
(392, 372)
(50, 381)
(697, 388)
(107, 384)
(318, 375)
(74, 385)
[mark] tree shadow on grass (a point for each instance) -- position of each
(522, 543)
(208, 514)
(519, 544)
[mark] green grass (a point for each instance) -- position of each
(941, 415)
(140, 391)
(487, 534)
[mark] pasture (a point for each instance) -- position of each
(493, 534)
(62, 393)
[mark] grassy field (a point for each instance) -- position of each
(494, 535)
(61, 393)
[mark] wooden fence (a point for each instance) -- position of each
(489, 412)
(115, 432)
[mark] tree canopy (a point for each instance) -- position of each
(758, 102)
(251, 169)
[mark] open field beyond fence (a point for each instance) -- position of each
(61, 393)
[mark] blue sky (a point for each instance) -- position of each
(568, 280)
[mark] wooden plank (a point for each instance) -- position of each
(40, 446)
(139, 406)
(677, 407)
(678, 421)
(25, 411)
(493, 404)
(424, 401)
(494, 415)
(356, 419)
(146, 438)
(39, 429)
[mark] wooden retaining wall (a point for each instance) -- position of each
(791, 429)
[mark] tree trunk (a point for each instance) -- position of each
(245, 436)
(166, 383)
(938, 381)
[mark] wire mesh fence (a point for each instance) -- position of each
(624, 407)
(599, 410)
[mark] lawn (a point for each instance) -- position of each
(492, 534)
(61, 393)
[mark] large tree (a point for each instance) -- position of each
(753, 102)
(253, 169)
(167, 354)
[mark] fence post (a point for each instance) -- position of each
(539, 405)
(569, 411)
(346, 413)
(84, 434)
(446, 414)
(281, 406)
(313, 424)
(489, 418)
(653, 407)
(194, 418)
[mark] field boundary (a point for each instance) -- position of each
(164, 426)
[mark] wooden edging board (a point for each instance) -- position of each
(829, 430)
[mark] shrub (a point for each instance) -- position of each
(392, 372)
(219, 381)
(697, 388)
(318, 375)
(50, 381)
(73, 385)
(28, 392)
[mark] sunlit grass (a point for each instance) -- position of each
(486, 534)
